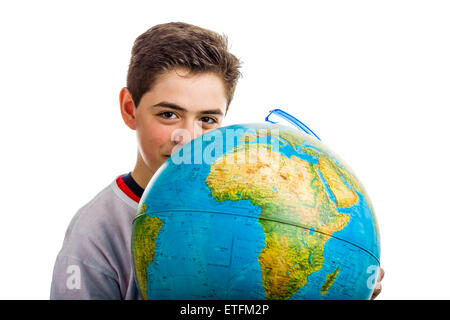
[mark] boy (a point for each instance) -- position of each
(180, 78)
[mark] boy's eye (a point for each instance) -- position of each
(167, 115)
(172, 115)
(208, 120)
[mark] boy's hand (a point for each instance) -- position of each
(377, 290)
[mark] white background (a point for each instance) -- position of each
(371, 78)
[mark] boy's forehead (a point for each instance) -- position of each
(185, 91)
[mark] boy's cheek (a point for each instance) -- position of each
(154, 133)
(153, 146)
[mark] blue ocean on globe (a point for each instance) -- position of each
(255, 211)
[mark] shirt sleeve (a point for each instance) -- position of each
(75, 279)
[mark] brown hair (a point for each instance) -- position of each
(167, 46)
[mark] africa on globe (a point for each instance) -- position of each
(255, 211)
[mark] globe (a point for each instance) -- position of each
(255, 211)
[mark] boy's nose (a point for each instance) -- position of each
(195, 130)
(187, 132)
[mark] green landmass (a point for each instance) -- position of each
(335, 174)
(145, 231)
(300, 202)
(329, 281)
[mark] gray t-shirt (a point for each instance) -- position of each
(95, 259)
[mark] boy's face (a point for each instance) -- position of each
(179, 107)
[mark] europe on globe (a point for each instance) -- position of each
(255, 211)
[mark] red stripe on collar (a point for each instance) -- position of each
(122, 186)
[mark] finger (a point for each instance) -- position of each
(376, 291)
(375, 294)
(380, 275)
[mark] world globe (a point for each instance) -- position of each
(255, 211)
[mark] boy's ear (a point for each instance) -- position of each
(127, 108)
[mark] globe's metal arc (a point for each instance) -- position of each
(267, 219)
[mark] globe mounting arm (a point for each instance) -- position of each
(291, 119)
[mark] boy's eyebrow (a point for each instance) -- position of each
(173, 106)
